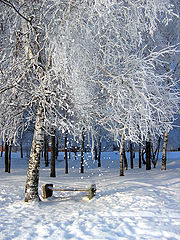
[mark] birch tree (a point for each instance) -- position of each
(29, 91)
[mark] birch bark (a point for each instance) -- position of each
(164, 151)
(31, 189)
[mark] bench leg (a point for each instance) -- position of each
(46, 191)
(92, 191)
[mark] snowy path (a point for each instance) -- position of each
(141, 205)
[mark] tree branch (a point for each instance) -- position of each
(9, 4)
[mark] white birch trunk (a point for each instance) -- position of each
(31, 190)
(164, 151)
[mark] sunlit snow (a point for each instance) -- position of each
(141, 205)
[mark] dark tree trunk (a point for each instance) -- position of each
(53, 171)
(6, 156)
(159, 145)
(9, 159)
(75, 154)
(124, 158)
(31, 189)
(121, 156)
(140, 156)
(95, 153)
(46, 149)
(131, 154)
(21, 149)
(99, 154)
(47, 152)
(143, 159)
(164, 152)
(57, 147)
(42, 153)
(66, 153)
(82, 151)
(156, 153)
(148, 155)
(2, 149)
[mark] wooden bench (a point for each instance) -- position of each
(48, 190)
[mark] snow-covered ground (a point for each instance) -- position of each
(141, 205)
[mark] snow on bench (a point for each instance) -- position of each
(48, 190)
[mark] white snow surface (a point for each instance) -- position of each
(141, 205)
